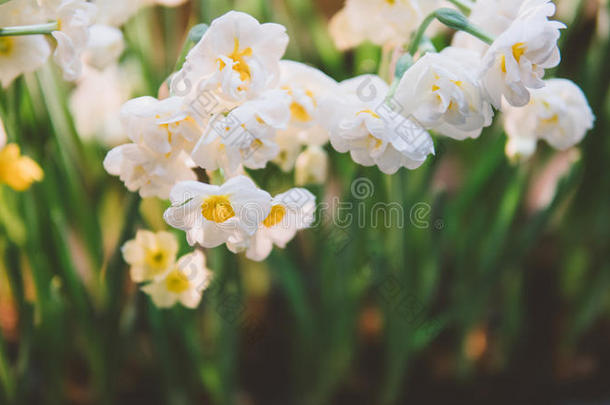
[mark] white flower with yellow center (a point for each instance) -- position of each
(383, 22)
(311, 166)
(307, 87)
(212, 215)
(516, 60)
(558, 113)
(494, 17)
(441, 92)
(362, 123)
(290, 212)
(164, 126)
(20, 54)
(236, 54)
(245, 136)
(150, 255)
(150, 173)
(184, 283)
(73, 19)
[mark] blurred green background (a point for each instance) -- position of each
(496, 290)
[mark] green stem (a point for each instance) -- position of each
(419, 34)
(38, 29)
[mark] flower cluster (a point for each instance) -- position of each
(152, 257)
(235, 106)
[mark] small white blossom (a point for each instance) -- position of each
(245, 136)
(105, 46)
(363, 123)
(150, 255)
(150, 173)
(183, 284)
(558, 113)
(516, 60)
(74, 18)
(441, 92)
(236, 54)
(290, 211)
(212, 215)
(20, 54)
(383, 22)
(164, 126)
(311, 166)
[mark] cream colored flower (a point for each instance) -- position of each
(16, 171)
(105, 46)
(441, 92)
(237, 55)
(516, 60)
(164, 126)
(383, 22)
(74, 18)
(245, 136)
(363, 123)
(558, 113)
(311, 166)
(212, 215)
(21, 54)
(96, 102)
(150, 173)
(184, 283)
(150, 255)
(290, 212)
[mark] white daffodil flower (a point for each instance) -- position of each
(105, 46)
(311, 166)
(184, 283)
(363, 123)
(558, 113)
(150, 255)
(306, 86)
(74, 17)
(516, 60)
(20, 54)
(212, 215)
(245, 136)
(236, 54)
(164, 126)
(441, 92)
(383, 22)
(150, 173)
(290, 211)
(96, 102)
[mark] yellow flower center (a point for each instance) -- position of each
(299, 113)
(239, 63)
(550, 121)
(6, 45)
(374, 114)
(157, 261)
(275, 216)
(375, 142)
(177, 282)
(18, 172)
(518, 51)
(217, 208)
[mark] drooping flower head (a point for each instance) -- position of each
(212, 215)
(237, 54)
(441, 92)
(558, 113)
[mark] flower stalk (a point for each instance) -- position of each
(38, 29)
